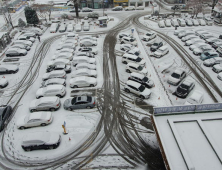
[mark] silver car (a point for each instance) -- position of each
(54, 81)
(79, 102)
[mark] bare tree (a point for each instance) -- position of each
(196, 6)
(76, 6)
(44, 10)
(6, 14)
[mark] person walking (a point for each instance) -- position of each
(38, 38)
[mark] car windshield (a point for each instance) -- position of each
(155, 44)
(140, 68)
(138, 59)
(175, 75)
(141, 88)
(145, 79)
(73, 101)
(183, 86)
(206, 53)
(89, 99)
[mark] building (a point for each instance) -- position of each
(190, 136)
(95, 4)
(137, 3)
(4, 40)
(122, 3)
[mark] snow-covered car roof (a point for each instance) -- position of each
(133, 83)
(134, 74)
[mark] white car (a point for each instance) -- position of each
(64, 55)
(176, 77)
(189, 37)
(54, 27)
(195, 22)
(51, 90)
(84, 72)
(88, 54)
(86, 65)
(22, 37)
(21, 46)
(174, 23)
(64, 50)
(149, 36)
(54, 74)
(161, 24)
(212, 40)
(201, 31)
(167, 23)
(138, 89)
(128, 40)
(201, 22)
(186, 33)
(127, 58)
(67, 45)
(29, 34)
(15, 52)
(83, 59)
(194, 41)
(35, 119)
(24, 42)
(217, 68)
(58, 61)
(3, 83)
(181, 22)
(219, 76)
(53, 81)
(140, 78)
(70, 35)
(195, 98)
(129, 8)
(134, 51)
(87, 37)
(124, 34)
(88, 49)
(200, 50)
(62, 27)
(70, 28)
(132, 67)
(45, 103)
(189, 22)
(140, 8)
(126, 47)
(78, 27)
(161, 51)
(86, 9)
(87, 43)
(177, 32)
(192, 47)
(207, 36)
(83, 81)
(67, 41)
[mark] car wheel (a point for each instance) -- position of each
(52, 109)
(28, 149)
(75, 86)
(39, 97)
(91, 85)
(127, 90)
(142, 97)
(22, 128)
(88, 107)
(51, 147)
(124, 62)
(33, 110)
(69, 109)
(43, 124)
(128, 71)
(58, 95)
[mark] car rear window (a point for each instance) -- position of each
(89, 99)
(73, 100)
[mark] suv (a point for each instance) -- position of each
(149, 36)
(132, 67)
(185, 88)
(140, 78)
(88, 49)
(161, 51)
(176, 77)
(128, 40)
(125, 47)
(132, 58)
(138, 89)
(155, 46)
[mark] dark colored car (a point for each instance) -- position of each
(8, 69)
(184, 88)
(66, 68)
(5, 113)
(156, 46)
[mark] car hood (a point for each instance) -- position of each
(144, 71)
(39, 92)
(21, 121)
(146, 92)
(174, 80)
(193, 46)
(54, 137)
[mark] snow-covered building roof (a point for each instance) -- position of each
(190, 136)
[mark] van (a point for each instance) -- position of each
(86, 27)
(219, 50)
(54, 27)
(78, 27)
(181, 22)
(129, 58)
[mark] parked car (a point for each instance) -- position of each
(86, 9)
(129, 8)
(88, 54)
(59, 61)
(201, 22)
(62, 27)
(41, 140)
(194, 41)
(149, 36)
(156, 46)
(181, 22)
(215, 45)
(189, 37)
(70, 28)
(87, 37)
(88, 49)
(177, 32)
(197, 45)
(174, 23)
(176, 77)
(207, 36)
(201, 33)
(45, 104)
(83, 59)
(86, 26)
(140, 78)
(117, 8)
(93, 15)
(212, 61)
(195, 22)
(54, 27)
(51, 90)
(217, 68)
(208, 55)
(186, 33)
(161, 24)
(64, 50)
(219, 76)
(219, 50)
(78, 27)
(133, 67)
(195, 98)
(3, 83)
(208, 21)
(21, 46)
(80, 102)
(167, 23)
(83, 81)
(53, 81)
(87, 43)
(15, 52)
(140, 8)
(85, 65)
(74, 10)
(212, 40)
(138, 89)
(126, 47)
(161, 52)
(198, 51)
(5, 113)
(189, 22)
(24, 42)
(128, 40)
(34, 119)
(124, 34)
(8, 69)
(66, 68)
(133, 59)
(134, 51)
(54, 74)
(29, 34)
(23, 37)
(66, 45)
(64, 55)
(84, 72)
(185, 88)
